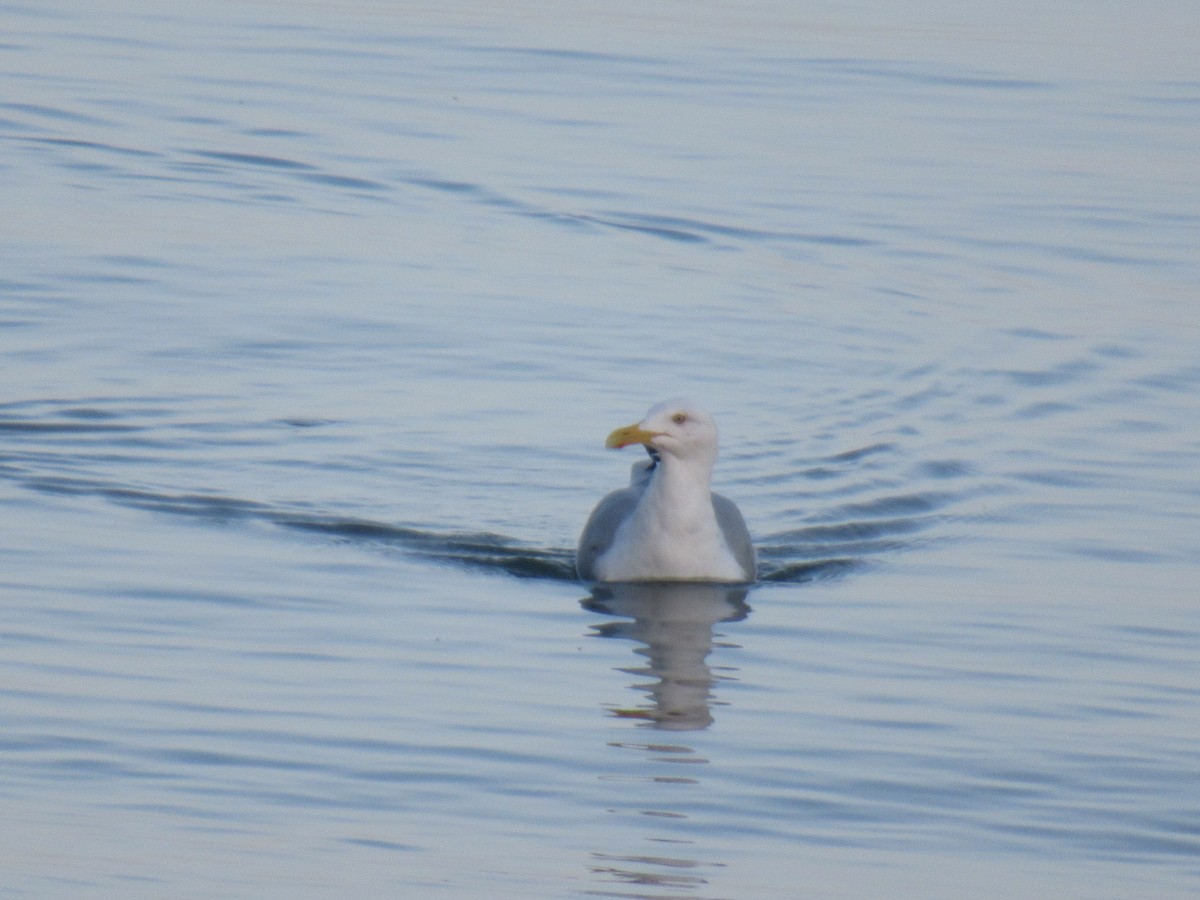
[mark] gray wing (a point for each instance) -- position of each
(736, 534)
(602, 526)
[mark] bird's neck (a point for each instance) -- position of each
(685, 492)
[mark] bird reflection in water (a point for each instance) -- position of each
(673, 622)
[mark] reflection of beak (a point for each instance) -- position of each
(633, 713)
(630, 434)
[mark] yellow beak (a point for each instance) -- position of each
(630, 434)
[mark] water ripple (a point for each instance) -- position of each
(55, 432)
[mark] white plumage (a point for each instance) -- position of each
(667, 525)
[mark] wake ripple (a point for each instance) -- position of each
(839, 542)
(480, 550)
(791, 557)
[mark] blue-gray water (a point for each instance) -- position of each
(313, 318)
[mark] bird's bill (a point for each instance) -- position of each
(630, 434)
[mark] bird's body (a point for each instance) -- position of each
(668, 525)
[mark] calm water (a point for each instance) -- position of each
(313, 318)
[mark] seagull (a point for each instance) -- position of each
(667, 525)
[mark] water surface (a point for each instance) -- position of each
(313, 319)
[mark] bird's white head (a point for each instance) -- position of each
(676, 429)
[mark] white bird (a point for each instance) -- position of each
(667, 525)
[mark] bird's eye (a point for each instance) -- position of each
(679, 418)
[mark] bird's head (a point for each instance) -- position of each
(675, 429)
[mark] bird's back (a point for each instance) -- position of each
(736, 534)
